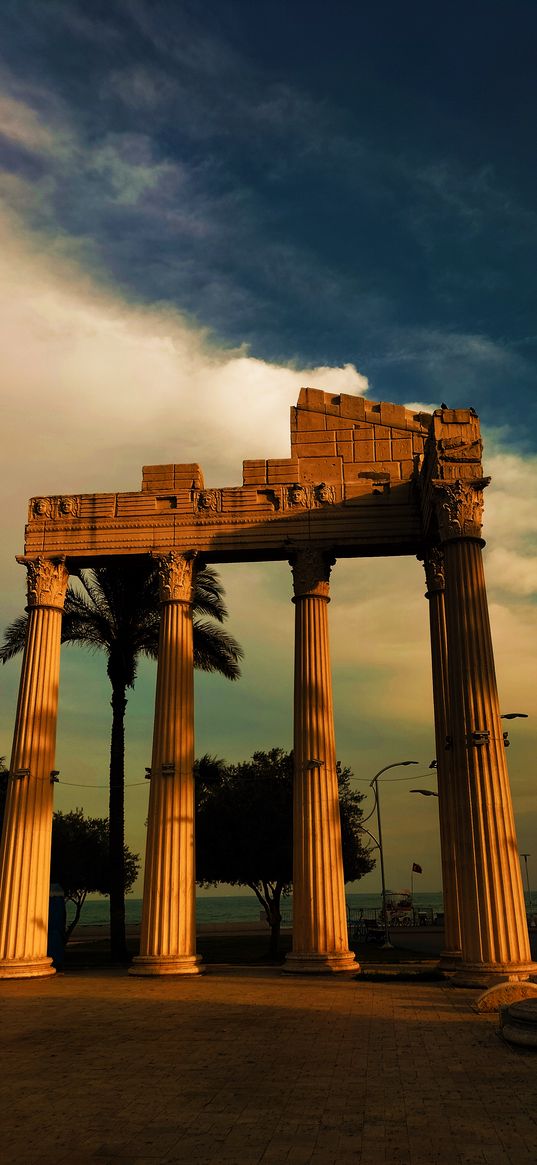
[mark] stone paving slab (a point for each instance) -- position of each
(251, 1067)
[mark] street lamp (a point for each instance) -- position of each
(374, 786)
(424, 792)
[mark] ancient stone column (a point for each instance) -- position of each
(320, 940)
(168, 933)
(26, 837)
(494, 933)
(434, 573)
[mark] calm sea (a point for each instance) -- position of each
(235, 908)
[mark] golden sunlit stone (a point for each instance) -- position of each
(363, 479)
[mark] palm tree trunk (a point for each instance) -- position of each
(116, 835)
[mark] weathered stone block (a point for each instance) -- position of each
(364, 451)
(358, 489)
(337, 422)
(309, 420)
(280, 471)
(345, 449)
(157, 477)
(254, 472)
(317, 469)
(352, 406)
(402, 450)
(391, 467)
(313, 399)
(316, 449)
(372, 413)
(393, 414)
(312, 436)
(383, 451)
(456, 416)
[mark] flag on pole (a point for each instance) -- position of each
(416, 869)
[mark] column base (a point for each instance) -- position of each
(490, 974)
(503, 994)
(450, 960)
(518, 1024)
(27, 968)
(320, 964)
(167, 965)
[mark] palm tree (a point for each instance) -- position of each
(115, 609)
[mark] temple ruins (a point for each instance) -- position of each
(363, 479)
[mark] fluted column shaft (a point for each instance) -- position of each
(27, 831)
(494, 933)
(320, 940)
(168, 932)
(434, 570)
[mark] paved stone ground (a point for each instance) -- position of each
(248, 1066)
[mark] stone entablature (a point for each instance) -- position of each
(350, 481)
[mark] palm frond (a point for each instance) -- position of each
(215, 650)
(14, 638)
(115, 608)
(209, 595)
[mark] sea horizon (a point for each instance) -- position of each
(226, 908)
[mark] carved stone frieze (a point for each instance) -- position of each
(207, 500)
(69, 507)
(459, 507)
(41, 508)
(54, 508)
(433, 565)
(47, 582)
(176, 576)
(297, 495)
(324, 494)
(311, 573)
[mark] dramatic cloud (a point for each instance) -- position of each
(201, 217)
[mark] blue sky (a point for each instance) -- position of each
(206, 205)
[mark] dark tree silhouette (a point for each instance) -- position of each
(244, 828)
(81, 859)
(115, 608)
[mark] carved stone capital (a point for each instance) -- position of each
(176, 576)
(311, 573)
(47, 582)
(459, 507)
(433, 565)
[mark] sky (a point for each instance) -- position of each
(204, 207)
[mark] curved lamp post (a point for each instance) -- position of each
(374, 786)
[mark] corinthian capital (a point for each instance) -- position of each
(459, 507)
(176, 576)
(311, 573)
(47, 582)
(433, 565)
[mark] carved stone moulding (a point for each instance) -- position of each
(459, 507)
